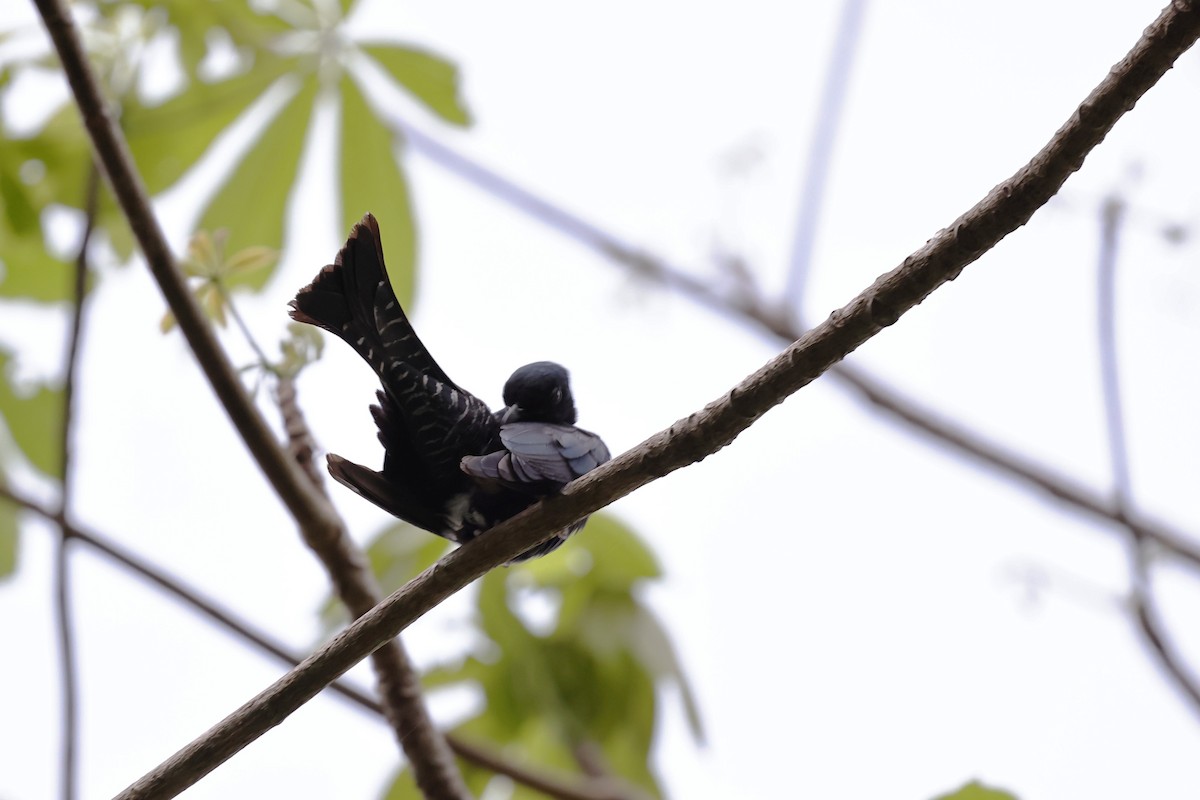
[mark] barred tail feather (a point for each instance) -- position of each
(353, 299)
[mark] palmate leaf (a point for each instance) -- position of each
(252, 203)
(243, 22)
(168, 138)
(33, 416)
(432, 79)
(371, 180)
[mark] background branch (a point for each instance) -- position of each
(820, 150)
(1148, 622)
(68, 776)
(1004, 209)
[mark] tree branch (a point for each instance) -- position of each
(433, 765)
(820, 150)
(62, 574)
(1004, 209)
(779, 322)
(551, 783)
(1148, 623)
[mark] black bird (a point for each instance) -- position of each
(450, 465)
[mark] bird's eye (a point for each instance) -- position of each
(557, 394)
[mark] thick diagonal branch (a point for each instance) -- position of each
(433, 764)
(1002, 211)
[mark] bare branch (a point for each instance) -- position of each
(433, 765)
(1111, 216)
(62, 575)
(1004, 209)
(820, 150)
(1153, 632)
(1149, 625)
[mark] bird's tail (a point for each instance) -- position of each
(353, 299)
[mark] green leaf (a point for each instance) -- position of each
(977, 791)
(246, 25)
(19, 211)
(167, 139)
(252, 203)
(31, 273)
(8, 537)
(249, 260)
(371, 180)
(606, 551)
(404, 787)
(397, 554)
(33, 418)
(431, 78)
(64, 153)
(496, 617)
(302, 346)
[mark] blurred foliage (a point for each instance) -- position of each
(33, 415)
(206, 261)
(976, 791)
(247, 72)
(302, 346)
(8, 537)
(583, 681)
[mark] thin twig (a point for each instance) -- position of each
(68, 666)
(243, 327)
(820, 150)
(1149, 624)
(1111, 215)
(1153, 631)
(433, 765)
(1004, 209)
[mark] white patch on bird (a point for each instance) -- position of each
(456, 511)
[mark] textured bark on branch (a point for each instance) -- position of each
(1004, 209)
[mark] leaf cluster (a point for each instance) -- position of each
(576, 686)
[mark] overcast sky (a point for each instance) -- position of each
(852, 603)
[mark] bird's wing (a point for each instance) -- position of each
(538, 457)
(392, 496)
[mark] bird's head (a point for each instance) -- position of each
(540, 392)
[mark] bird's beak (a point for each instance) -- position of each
(509, 414)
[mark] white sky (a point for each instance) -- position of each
(841, 592)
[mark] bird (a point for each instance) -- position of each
(451, 466)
